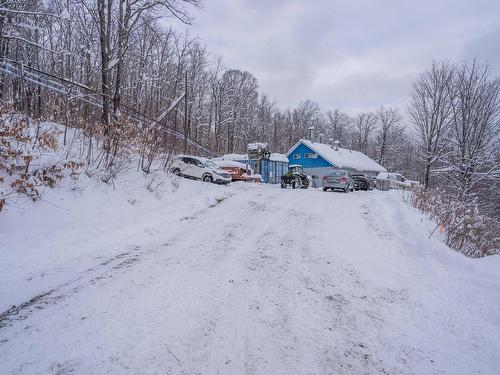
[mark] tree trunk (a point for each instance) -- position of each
(104, 10)
(427, 174)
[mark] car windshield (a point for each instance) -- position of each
(210, 164)
(337, 173)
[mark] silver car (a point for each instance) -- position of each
(338, 179)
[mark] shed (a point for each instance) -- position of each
(318, 159)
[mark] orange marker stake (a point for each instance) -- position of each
(441, 228)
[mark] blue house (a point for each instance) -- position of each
(318, 159)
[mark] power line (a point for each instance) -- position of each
(84, 93)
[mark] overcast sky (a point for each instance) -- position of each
(350, 54)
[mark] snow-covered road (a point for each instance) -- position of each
(258, 281)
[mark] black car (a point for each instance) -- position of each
(361, 182)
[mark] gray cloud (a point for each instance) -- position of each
(355, 55)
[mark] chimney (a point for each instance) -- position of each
(321, 136)
(311, 133)
(336, 143)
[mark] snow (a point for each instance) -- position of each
(229, 164)
(279, 157)
(235, 157)
(238, 157)
(97, 219)
(65, 14)
(170, 107)
(246, 278)
(343, 158)
(257, 146)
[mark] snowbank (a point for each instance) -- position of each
(76, 223)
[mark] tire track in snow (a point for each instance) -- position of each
(257, 285)
(255, 327)
(102, 271)
(106, 269)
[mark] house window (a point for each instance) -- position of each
(310, 156)
(296, 156)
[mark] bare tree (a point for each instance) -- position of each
(364, 127)
(239, 89)
(337, 125)
(430, 109)
(116, 24)
(388, 133)
(475, 127)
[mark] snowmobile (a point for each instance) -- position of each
(295, 178)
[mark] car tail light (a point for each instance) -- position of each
(325, 178)
(343, 179)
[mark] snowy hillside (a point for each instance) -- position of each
(205, 279)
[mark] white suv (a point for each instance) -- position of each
(200, 169)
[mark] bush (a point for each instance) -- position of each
(29, 159)
(467, 229)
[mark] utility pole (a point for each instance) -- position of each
(185, 111)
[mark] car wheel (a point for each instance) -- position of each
(176, 171)
(325, 189)
(346, 190)
(207, 178)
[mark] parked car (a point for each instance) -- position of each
(361, 182)
(386, 181)
(199, 168)
(238, 171)
(338, 179)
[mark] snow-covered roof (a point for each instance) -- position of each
(279, 157)
(238, 157)
(229, 164)
(343, 158)
(232, 157)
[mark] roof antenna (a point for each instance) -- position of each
(321, 136)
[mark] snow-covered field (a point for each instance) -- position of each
(240, 279)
